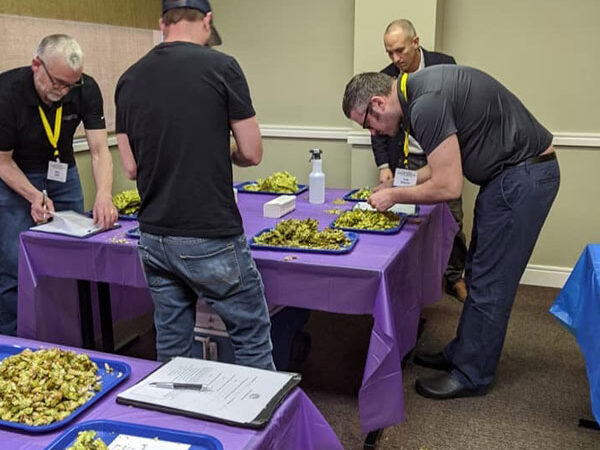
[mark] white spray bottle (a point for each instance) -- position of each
(316, 179)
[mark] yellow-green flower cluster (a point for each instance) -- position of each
(303, 234)
(87, 440)
(45, 386)
(361, 219)
(361, 194)
(127, 202)
(280, 182)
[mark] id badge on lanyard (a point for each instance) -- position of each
(405, 177)
(57, 171)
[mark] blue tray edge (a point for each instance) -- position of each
(68, 436)
(350, 234)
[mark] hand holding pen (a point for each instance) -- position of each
(42, 207)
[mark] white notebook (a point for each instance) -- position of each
(70, 223)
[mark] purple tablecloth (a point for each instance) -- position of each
(391, 277)
(297, 424)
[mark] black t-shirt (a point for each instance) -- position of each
(21, 128)
(493, 127)
(175, 105)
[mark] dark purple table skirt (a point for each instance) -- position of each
(391, 277)
(297, 424)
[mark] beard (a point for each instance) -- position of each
(53, 96)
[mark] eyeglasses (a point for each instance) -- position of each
(367, 111)
(59, 83)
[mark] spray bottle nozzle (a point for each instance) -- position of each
(315, 153)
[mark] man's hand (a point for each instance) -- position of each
(383, 185)
(386, 175)
(39, 212)
(382, 199)
(105, 213)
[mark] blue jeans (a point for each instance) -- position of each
(509, 213)
(222, 271)
(15, 217)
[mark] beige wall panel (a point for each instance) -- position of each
(543, 50)
(363, 170)
(129, 13)
(297, 56)
(292, 155)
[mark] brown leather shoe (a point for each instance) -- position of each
(458, 290)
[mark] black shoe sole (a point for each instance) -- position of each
(447, 366)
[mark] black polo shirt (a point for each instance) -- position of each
(21, 128)
(493, 127)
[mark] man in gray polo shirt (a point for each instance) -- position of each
(469, 125)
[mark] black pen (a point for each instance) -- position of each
(176, 385)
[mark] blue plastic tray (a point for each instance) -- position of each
(240, 188)
(350, 235)
(361, 230)
(109, 381)
(108, 430)
(349, 199)
(133, 233)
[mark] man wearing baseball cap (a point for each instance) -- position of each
(176, 108)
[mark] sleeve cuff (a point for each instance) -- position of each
(383, 166)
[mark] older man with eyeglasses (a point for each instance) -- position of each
(40, 108)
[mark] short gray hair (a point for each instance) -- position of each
(61, 45)
(362, 88)
(403, 24)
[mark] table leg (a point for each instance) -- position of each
(85, 313)
(589, 424)
(106, 322)
(372, 439)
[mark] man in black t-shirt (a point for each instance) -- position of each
(468, 124)
(40, 107)
(175, 109)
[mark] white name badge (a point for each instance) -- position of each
(405, 177)
(57, 171)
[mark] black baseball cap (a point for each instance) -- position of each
(200, 5)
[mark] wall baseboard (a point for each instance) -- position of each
(546, 276)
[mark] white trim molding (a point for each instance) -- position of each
(547, 276)
(297, 132)
(577, 139)
(362, 138)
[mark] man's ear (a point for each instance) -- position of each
(416, 41)
(378, 104)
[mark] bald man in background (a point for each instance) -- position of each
(402, 46)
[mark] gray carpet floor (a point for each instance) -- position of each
(540, 392)
(541, 389)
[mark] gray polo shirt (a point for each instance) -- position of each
(493, 127)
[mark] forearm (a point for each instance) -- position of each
(102, 169)
(425, 193)
(14, 177)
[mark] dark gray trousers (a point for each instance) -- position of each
(509, 213)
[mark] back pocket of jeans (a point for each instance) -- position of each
(216, 274)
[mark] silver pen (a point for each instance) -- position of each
(45, 193)
(177, 385)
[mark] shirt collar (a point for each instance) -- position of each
(422, 61)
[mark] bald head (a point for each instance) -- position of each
(402, 45)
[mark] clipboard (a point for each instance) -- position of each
(200, 407)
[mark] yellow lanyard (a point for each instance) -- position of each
(407, 130)
(52, 137)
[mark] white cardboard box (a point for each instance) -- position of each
(279, 206)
